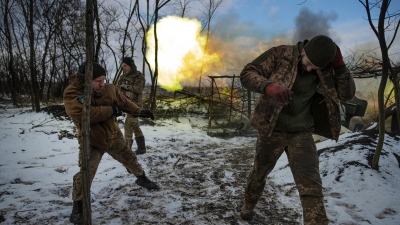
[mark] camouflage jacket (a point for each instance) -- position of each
(103, 125)
(279, 65)
(132, 85)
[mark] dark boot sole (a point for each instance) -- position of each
(247, 215)
(137, 152)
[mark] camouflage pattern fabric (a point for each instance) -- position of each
(132, 127)
(303, 161)
(132, 85)
(313, 210)
(280, 65)
(120, 151)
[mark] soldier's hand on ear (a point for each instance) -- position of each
(337, 61)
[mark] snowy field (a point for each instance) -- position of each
(202, 177)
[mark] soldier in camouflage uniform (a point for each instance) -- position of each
(301, 87)
(107, 103)
(132, 84)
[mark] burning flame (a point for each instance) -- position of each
(181, 54)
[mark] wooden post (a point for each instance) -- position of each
(248, 103)
(85, 148)
(231, 104)
(211, 99)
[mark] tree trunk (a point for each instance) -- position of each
(98, 45)
(14, 75)
(85, 148)
(32, 61)
(154, 89)
(153, 99)
(145, 28)
(211, 9)
(385, 65)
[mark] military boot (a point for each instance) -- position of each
(143, 181)
(141, 145)
(247, 212)
(76, 216)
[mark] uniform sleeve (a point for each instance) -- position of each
(127, 105)
(138, 84)
(344, 82)
(132, 83)
(254, 76)
(73, 103)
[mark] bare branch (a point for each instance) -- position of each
(302, 2)
(395, 34)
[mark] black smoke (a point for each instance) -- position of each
(309, 24)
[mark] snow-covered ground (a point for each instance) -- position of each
(202, 177)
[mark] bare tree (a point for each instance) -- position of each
(127, 40)
(145, 23)
(181, 7)
(69, 43)
(43, 42)
(158, 5)
(85, 148)
(385, 22)
(34, 29)
(126, 34)
(9, 47)
(27, 8)
(51, 21)
(210, 7)
(110, 24)
(98, 32)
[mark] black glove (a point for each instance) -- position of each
(117, 110)
(146, 114)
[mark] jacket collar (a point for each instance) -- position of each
(131, 72)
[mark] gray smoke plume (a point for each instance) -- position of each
(309, 24)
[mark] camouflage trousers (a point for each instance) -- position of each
(132, 127)
(119, 151)
(303, 161)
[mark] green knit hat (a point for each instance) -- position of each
(130, 62)
(320, 50)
